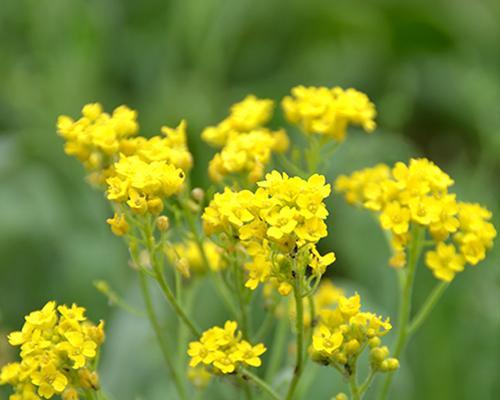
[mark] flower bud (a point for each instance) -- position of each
(162, 223)
(352, 346)
(284, 288)
(198, 194)
(182, 265)
(379, 354)
(341, 396)
(389, 365)
(70, 394)
(89, 379)
(374, 342)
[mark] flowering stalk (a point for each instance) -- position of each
(246, 374)
(427, 307)
(159, 337)
(157, 265)
(416, 245)
(299, 327)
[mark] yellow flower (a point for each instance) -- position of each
(223, 349)
(200, 352)
(327, 342)
(281, 223)
(444, 262)
(248, 354)
(318, 263)
(119, 225)
(49, 381)
(350, 306)
(396, 218)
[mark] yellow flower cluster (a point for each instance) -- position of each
(280, 222)
(344, 332)
(329, 112)
(246, 145)
(95, 138)
(417, 195)
(224, 350)
(171, 147)
(57, 350)
(186, 256)
(142, 186)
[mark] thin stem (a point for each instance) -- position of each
(165, 288)
(279, 340)
(366, 384)
(173, 302)
(417, 236)
(312, 318)
(427, 307)
(221, 287)
(161, 340)
(260, 383)
(299, 326)
(291, 166)
(238, 287)
(353, 385)
(265, 325)
(246, 390)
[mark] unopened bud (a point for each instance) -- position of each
(341, 396)
(89, 379)
(162, 223)
(70, 394)
(391, 364)
(340, 357)
(182, 266)
(379, 354)
(352, 346)
(374, 342)
(198, 194)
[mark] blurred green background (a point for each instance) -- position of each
(432, 67)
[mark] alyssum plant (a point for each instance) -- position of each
(258, 229)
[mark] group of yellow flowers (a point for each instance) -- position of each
(283, 216)
(57, 348)
(418, 194)
(224, 350)
(245, 143)
(343, 333)
(262, 227)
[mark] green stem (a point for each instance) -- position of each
(246, 390)
(291, 166)
(277, 349)
(353, 385)
(299, 325)
(366, 384)
(165, 288)
(219, 283)
(239, 288)
(161, 340)
(173, 302)
(418, 234)
(427, 307)
(265, 325)
(260, 383)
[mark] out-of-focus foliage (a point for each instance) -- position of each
(432, 68)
